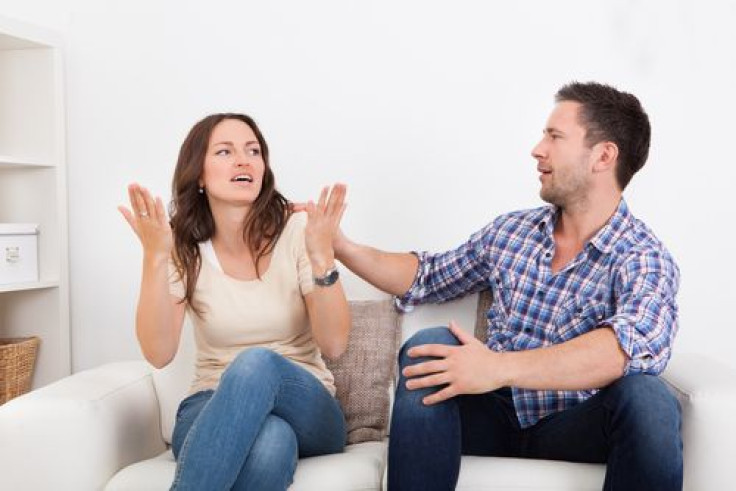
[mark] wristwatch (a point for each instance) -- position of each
(330, 278)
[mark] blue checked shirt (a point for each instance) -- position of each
(623, 278)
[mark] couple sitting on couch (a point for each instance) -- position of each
(582, 320)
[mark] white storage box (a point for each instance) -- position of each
(18, 253)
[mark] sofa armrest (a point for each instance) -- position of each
(706, 390)
(77, 432)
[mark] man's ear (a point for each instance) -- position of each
(605, 155)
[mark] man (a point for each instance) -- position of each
(582, 320)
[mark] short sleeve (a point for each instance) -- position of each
(299, 248)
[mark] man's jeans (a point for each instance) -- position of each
(248, 434)
(633, 426)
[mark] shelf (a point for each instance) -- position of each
(36, 285)
(33, 190)
(10, 42)
(7, 161)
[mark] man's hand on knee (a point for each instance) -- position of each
(467, 369)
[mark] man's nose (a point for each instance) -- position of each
(537, 151)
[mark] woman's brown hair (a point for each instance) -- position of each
(191, 218)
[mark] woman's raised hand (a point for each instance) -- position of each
(323, 226)
(149, 221)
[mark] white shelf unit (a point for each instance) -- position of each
(33, 190)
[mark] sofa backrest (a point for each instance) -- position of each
(172, 382)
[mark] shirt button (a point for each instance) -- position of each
(540, 293)
(527, 329)
(547, 254)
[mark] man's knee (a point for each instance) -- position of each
(430, 335)
(645, 402)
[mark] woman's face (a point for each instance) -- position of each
(233, 165)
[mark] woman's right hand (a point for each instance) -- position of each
(149, 222)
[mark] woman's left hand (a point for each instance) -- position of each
(323, 224)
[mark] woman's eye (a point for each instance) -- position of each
(254, 152)
(222, 152)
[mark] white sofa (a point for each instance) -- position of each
(107, 428)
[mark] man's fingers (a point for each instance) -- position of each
(439, 396)
(428, 381)
(424, 368)
(436, 350)
(462, 335)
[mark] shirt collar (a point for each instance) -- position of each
(614, 228)
(605, 238)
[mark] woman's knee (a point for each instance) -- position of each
(254, 361)
(275, 449)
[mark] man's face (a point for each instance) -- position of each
(563, 157)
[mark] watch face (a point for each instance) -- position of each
(328, 279)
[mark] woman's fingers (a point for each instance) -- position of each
(337, 198)
(138, 201)
(149, 205)
(133, 197)
(323, 198)
(161, 212)
(128, 215)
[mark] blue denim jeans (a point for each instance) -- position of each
(633, 426)
(249, 432)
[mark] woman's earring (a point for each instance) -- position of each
(201, 190)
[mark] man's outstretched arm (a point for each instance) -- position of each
(392, 272)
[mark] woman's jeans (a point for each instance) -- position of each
(249, 432)
(633, 426)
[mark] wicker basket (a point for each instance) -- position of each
(17, 356)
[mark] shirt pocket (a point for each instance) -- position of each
(502, 284)
(579, 315)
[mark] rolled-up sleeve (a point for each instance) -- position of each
(444, 276)
(646, 317)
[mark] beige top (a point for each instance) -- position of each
(269, 312)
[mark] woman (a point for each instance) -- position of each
(259, 284)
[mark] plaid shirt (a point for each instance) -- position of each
(623, 278)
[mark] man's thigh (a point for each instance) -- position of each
(489, 426)
(577, 434)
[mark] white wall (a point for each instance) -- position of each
(428, 110)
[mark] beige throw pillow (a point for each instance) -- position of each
(363, 374)
(485, 299)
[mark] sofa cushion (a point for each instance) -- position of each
(364, 373)
(359, 468)
(509, 474)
